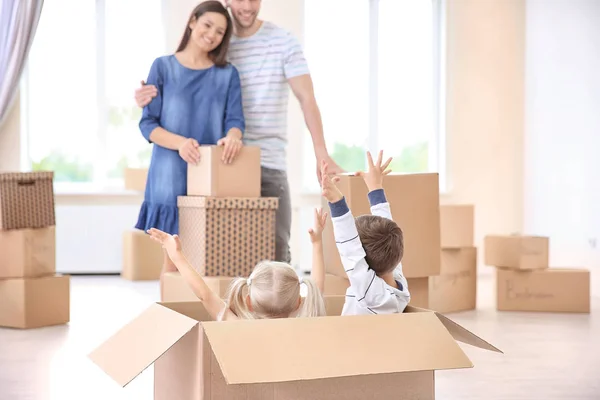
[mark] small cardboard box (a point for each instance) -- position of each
(175, 288)
(143, 258)
(516, 251)
(292, 358)
(455, 289)
(27, 253)
(457, 226)
(550, 290)
(34, 302)
(26, 200)
(414, 200)
(227, 237)
(135, 179)
(213, 178)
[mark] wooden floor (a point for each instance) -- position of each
(547, 356)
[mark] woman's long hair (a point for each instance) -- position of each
(219, 54)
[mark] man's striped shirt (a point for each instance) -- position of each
(265, 61)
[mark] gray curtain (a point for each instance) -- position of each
(18, 22)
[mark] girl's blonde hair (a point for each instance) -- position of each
(274, 291)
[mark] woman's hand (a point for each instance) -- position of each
(232, 144)
(170, 243)
(188, 150)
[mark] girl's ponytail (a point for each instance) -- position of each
(313, 305)
(236, 299)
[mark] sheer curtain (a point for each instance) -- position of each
(18, 22)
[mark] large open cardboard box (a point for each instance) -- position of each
(334, 357)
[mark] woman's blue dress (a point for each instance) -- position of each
(201, 104)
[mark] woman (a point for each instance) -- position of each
(198, 102)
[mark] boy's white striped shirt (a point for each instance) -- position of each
(265, 62)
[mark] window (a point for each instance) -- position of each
(87, 58)
(378, 70)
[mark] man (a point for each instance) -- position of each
(270, 60)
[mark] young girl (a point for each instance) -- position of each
(271, 291)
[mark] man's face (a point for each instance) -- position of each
(244, 12)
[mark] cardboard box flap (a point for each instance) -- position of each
(458, 332)
(293, 349)
(141, 342)
(192, 309)
(238, 203)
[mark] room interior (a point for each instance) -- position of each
(515, 125)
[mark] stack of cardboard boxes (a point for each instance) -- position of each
(455, 288)
(526, 283)
(32, 295)
(225, 226)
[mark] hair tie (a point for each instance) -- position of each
(300, 280)
(248, 281)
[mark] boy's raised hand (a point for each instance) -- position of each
(328, 187)
(374, 176)
(316, 233)
(171, 243)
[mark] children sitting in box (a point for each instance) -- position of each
(370, 246)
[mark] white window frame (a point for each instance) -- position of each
(99, 184)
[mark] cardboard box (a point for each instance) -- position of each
(34, 302)
(550, 290)
(175, 288)
(195, 358)
(135, 179)
(227, 237)
(213, 178)
(457, 226)
(26, 200)
(516, 251)
(27, 253)
(455, 289)
(419, 292)
(143, 258)
(414, 200)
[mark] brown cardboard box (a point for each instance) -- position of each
(175, 288)
(551, 290)
(26, 200)
(195, 358)
(227, 237)
(414, 200)
(455, 289)
(34, 302)
(336, 285)
(135, 178)
(27, 253)
(419, 292)
(213, 178)
(457, 225)
(142, 257)
(516, 251)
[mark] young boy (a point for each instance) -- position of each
(371, 247)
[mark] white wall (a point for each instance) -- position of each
(562, 139)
